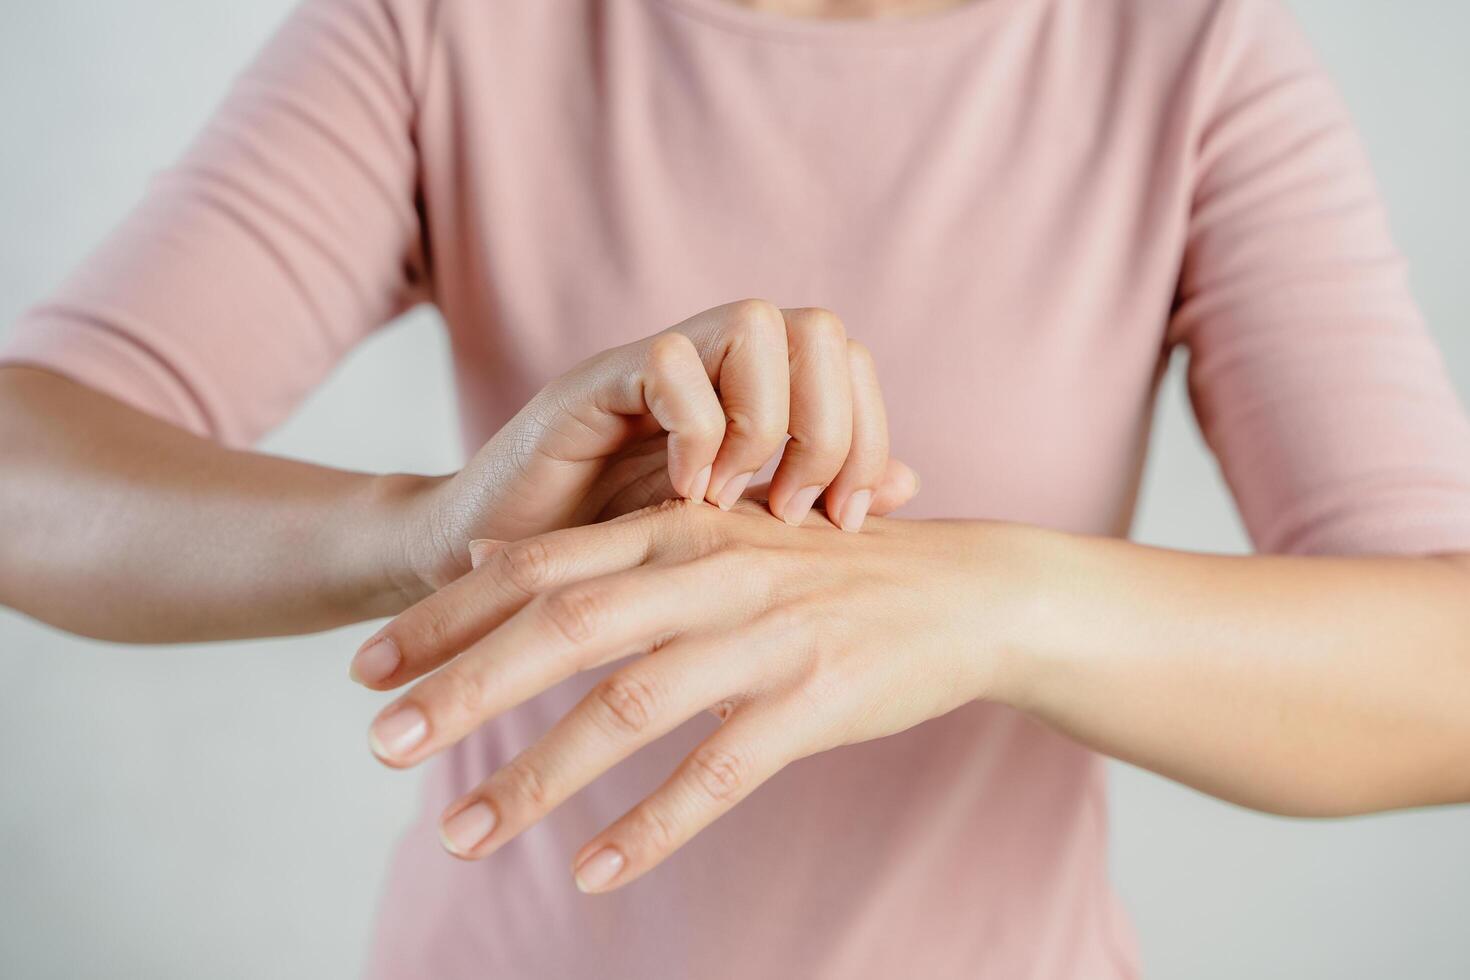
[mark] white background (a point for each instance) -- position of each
(213, 812)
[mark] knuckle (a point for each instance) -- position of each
(742, 560)
(755, 318)
(765, 429)
(575, 614)
(720, 773)
(654, 827)
(461, 691)
(708, 427)
(827, 436)
(528, 565)
(772, 431)
(668, 350)
(523, 780)
(763, 574)
(818, 453)
(723, 709)
(793, 624)
(818, 322)
(430, 628)
(628, 703)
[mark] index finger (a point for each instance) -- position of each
(437, 628)
(560, 633)
(744, 348)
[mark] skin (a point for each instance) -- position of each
(1302, 686)
(1305, 686)
(206, 543)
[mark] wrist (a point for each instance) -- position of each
(389, 531)
(1023, 581)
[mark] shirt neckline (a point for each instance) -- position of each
(854, 30)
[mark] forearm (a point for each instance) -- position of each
(1308, 686)
(119, 526)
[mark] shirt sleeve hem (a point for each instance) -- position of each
(108, 360)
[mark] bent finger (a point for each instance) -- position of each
(899, 485)
(850, 497)
(744, 346)
(821, 412)
(679, 394)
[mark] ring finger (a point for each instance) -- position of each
(757, 741)
(625, 711)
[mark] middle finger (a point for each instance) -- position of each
(559, 633)
(821, 412)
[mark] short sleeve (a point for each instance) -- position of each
(1312, 375)
(289, 230)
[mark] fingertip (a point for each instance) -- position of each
(855, 510)
(597, 872)
(799, 504)
(730, 493)
(397, 733)
(907, 480)
(481, 549)
(900, 485)
(375, 662)
(699, 487)
(463, 831)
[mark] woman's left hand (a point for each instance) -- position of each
(800, 638)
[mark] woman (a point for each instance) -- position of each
(1021, 208)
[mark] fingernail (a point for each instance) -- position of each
(732, 490)
(700, 486)
(856, 509)
(464, 831)
(481, 549)
(799, 504)
(375, 662)
(399, 732)
(601, 868)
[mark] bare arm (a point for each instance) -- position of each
(237, 282)
(1303, 686)
(1308, 686)
(120, 526)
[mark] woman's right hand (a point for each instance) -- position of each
(692, 411)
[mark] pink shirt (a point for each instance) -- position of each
(1021, 206)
